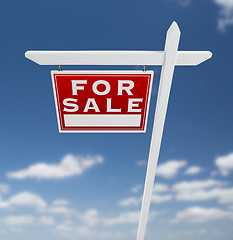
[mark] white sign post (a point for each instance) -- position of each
(171, 46)
(169, 58)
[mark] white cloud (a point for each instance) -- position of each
(226, 196)
(136, 188)
(27, 199)
(69, 166)
(111, 235)
(160, 198)
(170, 168)
(226, 13)
(46, 220)
(4, 188)
(61, 210)
(197, 185)
(184, 233)
(90, 217)
(223, 196)
(203, 190)
(84, 231)
(192, 191)
(60, 202)
(24, 199)
(132, 201)
(225, 18)
(18, 220)
(200, 215)
(160, 187)
(156, 198)
(65, 227)
(193, 170)
(130, 217)
(127, 217)
(225, 164)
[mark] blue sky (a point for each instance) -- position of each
(45, 190)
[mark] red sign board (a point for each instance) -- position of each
(102, 101)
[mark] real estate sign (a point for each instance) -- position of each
(102, 101)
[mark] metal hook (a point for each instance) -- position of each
(144, 68)
(60, 68)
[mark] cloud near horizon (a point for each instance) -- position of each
(200, 215)
(69, 166)
(18, 220)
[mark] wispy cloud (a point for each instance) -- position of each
(136, 188)
(222, 195)
(184, 3)
(200, 215)
(160, 187)
(46, 220)
(22, 220)
(225, 17)
(171, 168)
(90, 217)
(197, 185)
(141, 163)
(203, 190)
(65, 227)
(4, 188)
(126, 217)
(68, 229)
(18, 220)
(193, 170)
(156, 198)
(69, 166)
(60, 210)
(226, 13)
(131, 201)
(60, 202)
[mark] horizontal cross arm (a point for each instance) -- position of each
(184, 58)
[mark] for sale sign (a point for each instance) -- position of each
(102, 101)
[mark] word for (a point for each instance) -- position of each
(71, 104)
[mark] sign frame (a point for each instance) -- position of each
(102, 72)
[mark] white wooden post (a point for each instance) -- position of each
(171, 46)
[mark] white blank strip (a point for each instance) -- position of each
(110, 120)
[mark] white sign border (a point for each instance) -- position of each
(151, 72)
